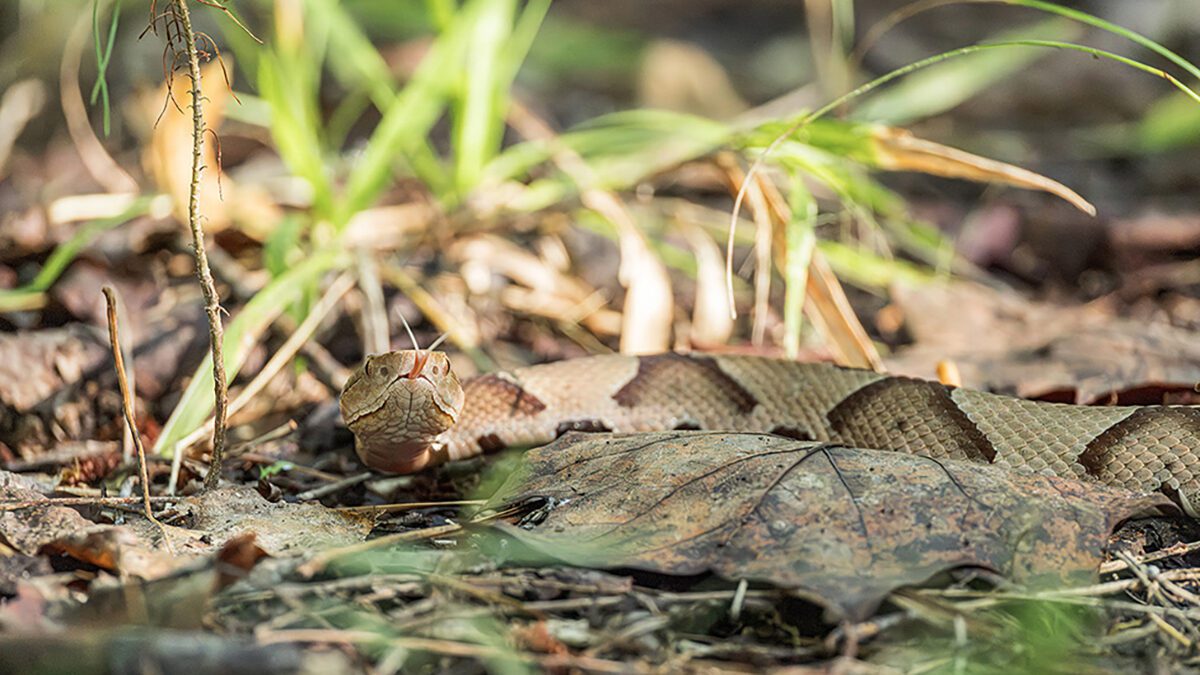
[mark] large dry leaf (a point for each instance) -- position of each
(842, 526)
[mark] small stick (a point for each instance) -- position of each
(110, 300)
(320, 561)
(325, 490)
(1169, 552)
(83, 501)
(374, 314)
(406, 506)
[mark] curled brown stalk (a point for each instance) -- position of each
(110, 301)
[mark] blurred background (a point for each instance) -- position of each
(543, 180)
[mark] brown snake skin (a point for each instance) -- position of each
(404, 409)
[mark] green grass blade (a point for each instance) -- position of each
(1132, 36)
(352, 58)
(240, 337)
(295, 125)
(801, 238)
(476, 109)
(806, 120)
(948, 84)
(103, 55)
(66, 252)
(406, 122)
(921, 6)
(622, 148)
(868, 270)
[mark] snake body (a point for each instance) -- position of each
(408, 411)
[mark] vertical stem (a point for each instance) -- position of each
(212, 301)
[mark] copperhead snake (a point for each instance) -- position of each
(408, 411)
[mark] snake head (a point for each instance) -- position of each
(397, 404)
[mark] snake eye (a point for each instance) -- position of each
(383, 371)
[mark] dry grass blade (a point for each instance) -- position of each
(409, 506)
(21, 103)
(899, 150)
(829, 309)
(826, 304)
(374, 314)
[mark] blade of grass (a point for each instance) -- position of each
(406, 121)
(946, 85)
(900, 72)
(620, 149)
(103, 55)
(801, 238)
(480, 122)
(915, 8)
(64, 253)
(295, 124)
(476, 109)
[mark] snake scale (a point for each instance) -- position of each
(407, 411)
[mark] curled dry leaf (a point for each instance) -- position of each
(711, 323)
(649, 308)
(842, 526)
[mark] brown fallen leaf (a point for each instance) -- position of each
(842, 526)
(61, 530)
(1079, 354)
(281, 527)
(28, 530)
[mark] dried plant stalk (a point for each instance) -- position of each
(212, 301)
(127, 408)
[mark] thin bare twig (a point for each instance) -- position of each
(110, 299)
(409, 506)
(83, 501)
(326, 490)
